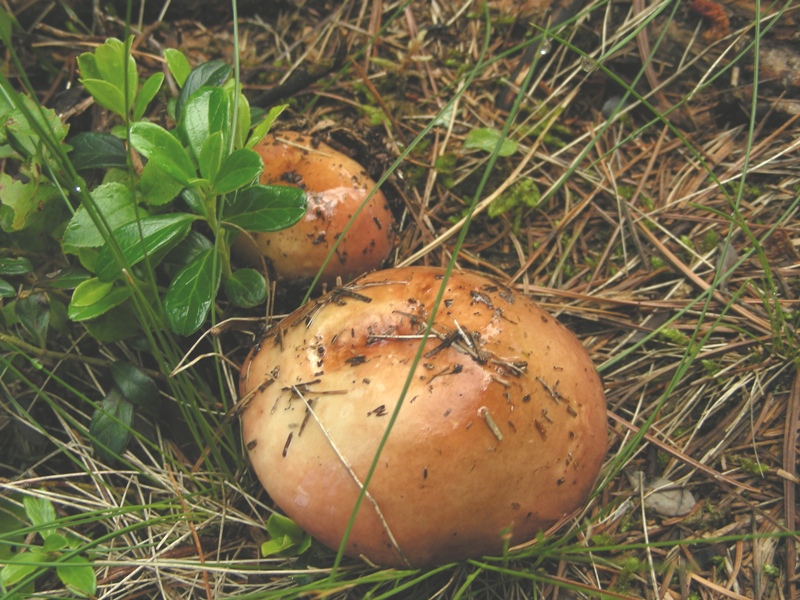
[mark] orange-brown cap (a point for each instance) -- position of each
(502, 431)
(336, 186)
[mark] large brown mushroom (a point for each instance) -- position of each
(336, 186)
(502, 431)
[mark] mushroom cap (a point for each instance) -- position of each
(502, 431)
(336, 186)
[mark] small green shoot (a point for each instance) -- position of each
(486, 139)
(286, 538)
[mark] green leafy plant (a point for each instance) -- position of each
(57, 547)
(145, 213)
(12, 267)
(207, 161)
(112, 420)
(30, 198)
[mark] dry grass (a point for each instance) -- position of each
(681, 282)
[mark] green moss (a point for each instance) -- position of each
(677, 337)
(750, 191)
(771, 571)
(647, 201)
(446, 163)
(709, 241)
(750, 466)
(523, 194)
(557, 135)
(711, 367)
(602, 539)
(626, 191)
(375, 115)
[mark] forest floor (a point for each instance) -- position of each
(647, 195)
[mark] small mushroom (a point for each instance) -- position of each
(502, 431)
(336, 186)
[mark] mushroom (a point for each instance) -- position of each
(336, 186)
(502, 431)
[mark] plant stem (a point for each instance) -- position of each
(24, 346)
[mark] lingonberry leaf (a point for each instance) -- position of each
(265, 207)
(246, 288)
(191, 293)
(139, 238)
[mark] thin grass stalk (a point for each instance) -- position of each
(429, 324)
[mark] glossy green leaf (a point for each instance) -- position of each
(65, 279)
(33, 312)
(114, 298)
(210, 157)
(149, 90)
(266, 207)
(246, 288)
(487, 139)
(110, 76)
(87, 65)
(191, 293)
(189, 249)
(93, 298)
(88, 258)
(115, 202)
(94, 150)
(77, 574)
(110, 428)
(6, 289)
(120, 323)
(212, 74)
(262, 129)
(116, 65)
(41, 513)
(150, 235)
(207, 112)
(194, 201)
(15, 266)
(90, 292)
(237, 170)
(178, 65)
(156, 187)
(137, 387)
(106, 95)
(157, 144)
(115, 175)
(242, 122)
